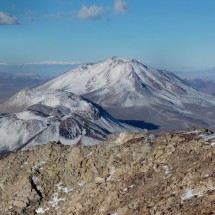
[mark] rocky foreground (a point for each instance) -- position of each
(131, 174)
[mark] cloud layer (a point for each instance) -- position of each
(52, 63)
(3, 64)
(6, 19)
(120, 7)
(91, 12)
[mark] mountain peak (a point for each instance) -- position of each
(123, 60)
(114, 58)
(130, 78)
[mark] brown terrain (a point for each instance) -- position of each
(130, 174)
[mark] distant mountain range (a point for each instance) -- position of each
(12, 83)
(196, 73)
(207, 86)
(14, 78)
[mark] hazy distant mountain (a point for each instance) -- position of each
(53, 116)
(14, 78)
(42, 70)
(12, 83)
(206, 86)
(129, 89)
(201, 73)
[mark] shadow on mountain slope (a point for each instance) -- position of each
(141, 124)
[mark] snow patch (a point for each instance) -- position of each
(212, 188)
(102, 210)
(63, 189)
(112, 171)
(90, 154)
(81, 183)
(41, 210)
(189, 194)
(207, 137)
(193, 132)
(55, 200)
(150, 137)
(37, 166)
(167, 171)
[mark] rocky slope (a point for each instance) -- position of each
(54, 116)
(130, 174)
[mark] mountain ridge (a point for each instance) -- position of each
(54, 116)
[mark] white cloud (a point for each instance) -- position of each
(120, 7)
(3, 64)
(6, 19)
(52, 63)
(91, 12)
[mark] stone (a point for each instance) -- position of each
(19, 204)
(99, 180)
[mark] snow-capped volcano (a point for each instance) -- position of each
(129, 89)
(54, 116)
(126, 82)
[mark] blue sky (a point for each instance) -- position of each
(165, 34)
